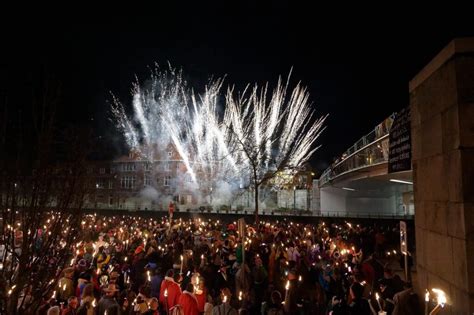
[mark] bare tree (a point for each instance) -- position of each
(42, 189)
(272, 135)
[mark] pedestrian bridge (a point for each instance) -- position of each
(359, 182)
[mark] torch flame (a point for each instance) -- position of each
(440, 296)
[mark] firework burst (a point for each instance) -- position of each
(258, 132)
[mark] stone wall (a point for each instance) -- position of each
(442, 109)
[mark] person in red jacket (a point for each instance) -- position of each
(200, 292)
(169, 291)
(188, 301)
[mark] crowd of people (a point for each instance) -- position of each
(132, 265)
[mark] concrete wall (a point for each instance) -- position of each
(342, 201)
(370, 205)
(442, 109)
(333, 200)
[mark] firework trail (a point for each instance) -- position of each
(269, 130)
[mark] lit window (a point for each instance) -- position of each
(100, 184)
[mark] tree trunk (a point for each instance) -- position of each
(256, 203)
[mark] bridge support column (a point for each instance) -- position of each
(442, 114)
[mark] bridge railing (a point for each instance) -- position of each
(371, 149)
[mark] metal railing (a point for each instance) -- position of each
(370, 150)
(269, 212)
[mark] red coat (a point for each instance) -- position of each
(368, 272)
(189, 303)
(174, 292)
(201, 300)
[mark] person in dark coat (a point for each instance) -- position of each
(359, 306)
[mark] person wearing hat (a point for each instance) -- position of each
(170, 291)
(82, 265)
(108, 301)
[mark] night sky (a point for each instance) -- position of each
(356, 67)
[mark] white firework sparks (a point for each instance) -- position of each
(271, 134)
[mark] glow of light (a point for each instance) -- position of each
(169, 111)
(440, 296)
(401, 181)
(287, 286)
(349, 189)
